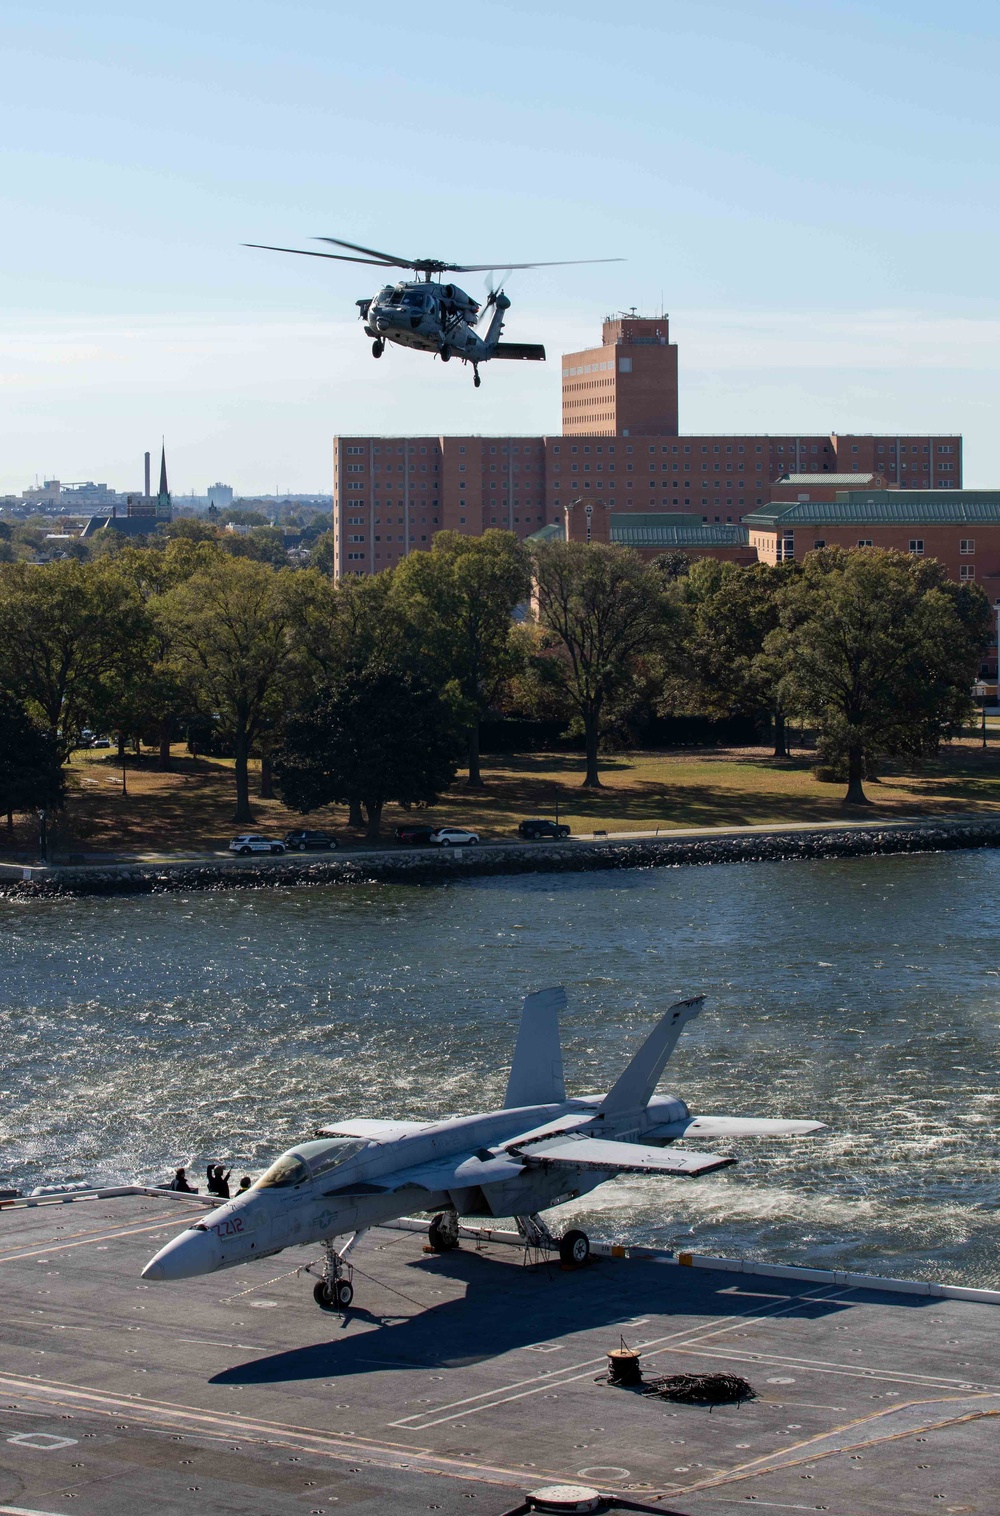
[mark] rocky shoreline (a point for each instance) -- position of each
(417, 866)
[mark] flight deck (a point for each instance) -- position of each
(458, 1381)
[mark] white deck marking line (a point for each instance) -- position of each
(553, 1376)
(809, 1450)
(88, 1231)
(20, 1510)
(850, 1370)
(346, 1447)
(570, 1373)
(64, 1247)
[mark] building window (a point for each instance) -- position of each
(624, 365)
(820, 542)
(917, 545)
(864, 542)
(967, 571)
(967, 545)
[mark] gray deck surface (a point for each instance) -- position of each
(462, 1380)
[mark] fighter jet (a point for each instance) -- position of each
(539, 1150)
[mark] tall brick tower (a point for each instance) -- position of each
(625, 388)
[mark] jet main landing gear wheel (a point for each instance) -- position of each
(378, 347)
(574, 1248)
(442, 1234)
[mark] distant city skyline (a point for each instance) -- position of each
(808, 189)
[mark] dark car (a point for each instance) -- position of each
(539, 828)
(304, 842)
(418, 836)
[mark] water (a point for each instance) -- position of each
(139, 1033)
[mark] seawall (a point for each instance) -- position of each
(428, 866)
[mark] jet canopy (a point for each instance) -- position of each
(311, 1160)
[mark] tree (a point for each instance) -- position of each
(461, 597)
(604, 611)
(732, 610)
(323, 555)
(879, 649)
(227, 628)
(68, 632)
(31, 776)
(372, 738)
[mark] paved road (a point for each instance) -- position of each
(765, 829)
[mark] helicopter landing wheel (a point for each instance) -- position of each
(445, 353)
(378, 347)
(476, 379)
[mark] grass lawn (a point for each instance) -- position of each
(190, 809)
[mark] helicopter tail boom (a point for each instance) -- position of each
(531, 350)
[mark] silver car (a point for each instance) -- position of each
(253, 842)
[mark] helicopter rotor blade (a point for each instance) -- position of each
(307, 252)
(373, 252)
(488, 268)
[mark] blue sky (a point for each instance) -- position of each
(810, 189)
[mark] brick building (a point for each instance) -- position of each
(627, 386)
(620, 449)
(961, 529)
(655, 532)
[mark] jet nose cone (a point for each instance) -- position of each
(192, 1253)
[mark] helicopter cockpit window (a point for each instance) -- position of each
(287, 1170)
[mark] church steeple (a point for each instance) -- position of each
(163, 503)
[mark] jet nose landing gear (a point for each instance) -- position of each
(335, 1291)
(336, 1297)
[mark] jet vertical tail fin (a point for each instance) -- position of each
(634, 1088)
(536, 1074)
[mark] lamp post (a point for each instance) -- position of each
(979, 689)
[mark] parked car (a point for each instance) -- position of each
(101, 742)
(253, 842)
(414, 834)
(304, 842)
(540, 828)
(453, 836)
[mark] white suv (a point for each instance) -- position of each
(252, 842)
(453, 836)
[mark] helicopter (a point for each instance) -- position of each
(432, 316)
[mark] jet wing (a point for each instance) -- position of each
(623, 1157)
(457, 1172)
(378, 1131)
(733, 1126)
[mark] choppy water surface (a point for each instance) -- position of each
(139, 1033)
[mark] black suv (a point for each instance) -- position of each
(305, 842)
(538, 828)
(414, 833)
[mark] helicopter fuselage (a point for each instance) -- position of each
(429, 316)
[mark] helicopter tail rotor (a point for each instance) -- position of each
(494, 285)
